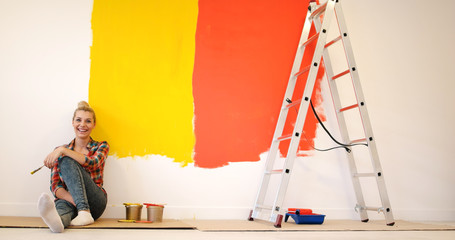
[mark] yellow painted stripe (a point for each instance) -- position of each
(141, 76)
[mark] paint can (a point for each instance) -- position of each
(154, 212)
(133, 211)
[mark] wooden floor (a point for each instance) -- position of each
(110, 229)
(163, 234)
(236, 225)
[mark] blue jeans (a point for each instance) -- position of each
(86, 194)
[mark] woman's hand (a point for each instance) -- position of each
(49, 161)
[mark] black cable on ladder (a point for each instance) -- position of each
(321, 150)
(325, 129)
(346, 146)
(342, 145)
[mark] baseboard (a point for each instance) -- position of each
(186, 212)
(238, 213)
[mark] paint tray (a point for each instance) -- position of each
(306, 218)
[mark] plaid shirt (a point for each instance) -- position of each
(94, 164)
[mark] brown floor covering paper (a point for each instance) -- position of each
(102, 223)
(328, 225)
(236, 225)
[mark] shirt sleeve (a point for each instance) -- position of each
(56, 182)
(95, 160)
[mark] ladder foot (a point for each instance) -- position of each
(250, 217)
(391, 224)
(365, 220)
(278, 221)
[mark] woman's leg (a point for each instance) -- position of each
(86, 194)
(66, 210)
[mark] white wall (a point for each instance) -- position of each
(404, 55)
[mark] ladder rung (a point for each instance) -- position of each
(304, 153)
(306, 69)
(274, 171)
(362, 208)
(349, 107)
(296, 102)
(319, 11)
(376, 209)
(284, 137)
(364, 140)
(340, 74)
(315, 36)
(365, 175)
(332, 42)
(264, 207)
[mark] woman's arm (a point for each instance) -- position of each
(54, 155)
(79, 157)
(93, 160)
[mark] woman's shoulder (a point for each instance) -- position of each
(97, 144)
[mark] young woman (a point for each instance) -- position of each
(76, 177)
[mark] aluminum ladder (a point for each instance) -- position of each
(320, 16)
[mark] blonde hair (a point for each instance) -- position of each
(84, 106)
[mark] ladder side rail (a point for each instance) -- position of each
(302, 113)
(270, 160)
(343, 130)
(357, 86)
(364, 116)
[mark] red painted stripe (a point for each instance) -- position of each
(244, 54)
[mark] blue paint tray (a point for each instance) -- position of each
(305, 218)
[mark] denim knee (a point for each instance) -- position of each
(67, 162)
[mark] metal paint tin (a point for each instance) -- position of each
(133, 211)
(154, 212)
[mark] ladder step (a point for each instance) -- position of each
(332, 42)
(376, 209)
(365, 175)
(362, 140)
(314, 37)
(349, 107)
(340, 74)
(306, 69)
(303, 153)
(274, 171)
(284, 137)
(318, 11)
(264, 207)
(292, 104)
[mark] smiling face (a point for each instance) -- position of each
(83, 124)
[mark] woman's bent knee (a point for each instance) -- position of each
(68, 164)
